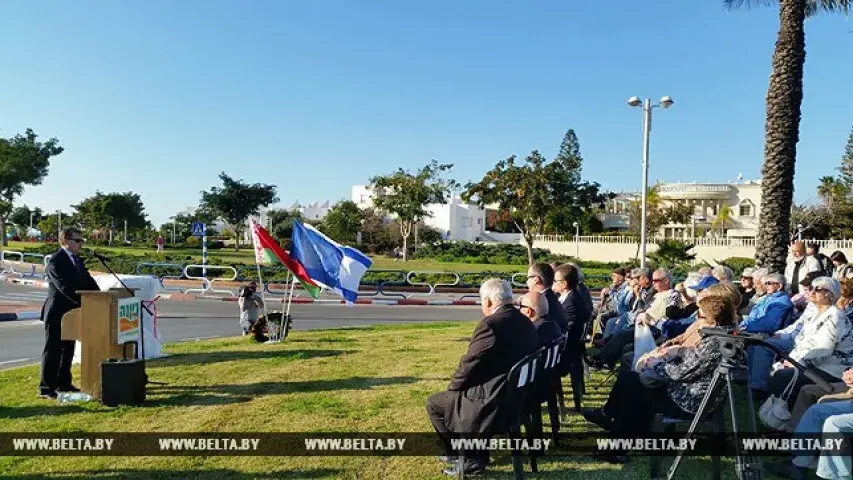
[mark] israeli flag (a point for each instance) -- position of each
(333, 266)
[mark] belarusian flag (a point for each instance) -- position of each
(268, 251)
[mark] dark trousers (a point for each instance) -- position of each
(613, 348)
(781, 378)
(632, 405)
(437, 406)
(56, 358)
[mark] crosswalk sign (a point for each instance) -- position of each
(198, 229)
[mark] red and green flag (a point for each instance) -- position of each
(268, 252)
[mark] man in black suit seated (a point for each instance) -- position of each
(540, 279)
(66, 275)
(471, 404)
(535, 307)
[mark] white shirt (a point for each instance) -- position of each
(70, 255)
(564, 296)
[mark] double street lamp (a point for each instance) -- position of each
(665, 102)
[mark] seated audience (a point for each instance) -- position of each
(824, 343)
(747, 290)
(810, 394)
(833, 416)
(842, 269)
(471, 404)
(641, 295)
(680, 317)
(773, 310)
(535, 307)
(665, 297)
(678, 384)
(577, 313)
(723, 274)
(610, 297)
(799, 266)
(540, 279)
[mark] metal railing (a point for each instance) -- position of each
(175, 266)
(19, 267)
(426, 283)
(207, 283)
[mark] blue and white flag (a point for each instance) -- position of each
(328, 263)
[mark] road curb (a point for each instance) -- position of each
(299, 300)
(12, 316)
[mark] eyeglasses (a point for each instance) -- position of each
(77, 240)
(820, 290)
(532, 276)
(770, 284)
(521, 305)
(656, 280)
(559, 280)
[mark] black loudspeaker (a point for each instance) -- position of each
(123, 382)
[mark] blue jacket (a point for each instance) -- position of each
(770, 314)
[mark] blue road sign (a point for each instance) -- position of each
(198, 229)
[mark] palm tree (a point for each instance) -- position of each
(722, 218)
(830, 190)
(782, 127)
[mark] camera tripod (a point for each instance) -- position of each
(747, 468)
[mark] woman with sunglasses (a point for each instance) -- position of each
(825, 343)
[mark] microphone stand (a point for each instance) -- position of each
(105, 262)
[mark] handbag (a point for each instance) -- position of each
(774, 412)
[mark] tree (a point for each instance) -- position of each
(406, 195)
(832, 191)
(281, 222)
(782, 126)
(343, 222)
(525, 191)
(723, 216)
(21, 216)
(108, 211)
(23, 161)
(49, 225)
(672, 253)
(236, 201)
(182, 223)
(657, 213)
(574, 199)
(846, 167)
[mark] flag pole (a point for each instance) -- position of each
(260, 277)
(286, 321)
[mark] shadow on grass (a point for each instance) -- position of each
(218, 473)
(186, 395)
(26, 412)
(237, 355)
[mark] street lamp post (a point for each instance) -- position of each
(577, 240)
(800, 232)
(665, 102)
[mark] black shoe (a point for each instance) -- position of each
(70, 388)
(786, 470)
(598, 417)
(472, 466)
(447, 458)
(48, 395)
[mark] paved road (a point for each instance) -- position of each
(22, 341)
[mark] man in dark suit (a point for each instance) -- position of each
(471, 404)
(66, 275)
(540, 279)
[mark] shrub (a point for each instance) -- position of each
(738, 264)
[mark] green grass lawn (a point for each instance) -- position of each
(228, 255)
(365, 379)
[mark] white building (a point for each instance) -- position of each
(456, 220)
(313, 211)
(728, 210)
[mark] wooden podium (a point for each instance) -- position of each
(95, 325)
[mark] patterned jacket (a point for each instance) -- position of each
(826, 343)
(690, 375)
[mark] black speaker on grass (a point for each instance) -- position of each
(123, 382)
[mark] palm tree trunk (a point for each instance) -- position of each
(782, 130)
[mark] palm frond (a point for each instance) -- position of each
(813, 7)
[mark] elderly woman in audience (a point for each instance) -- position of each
(747, 290)
(679, 383)
(824, 343)
(773, 311)
(723, 274)
(810, 394)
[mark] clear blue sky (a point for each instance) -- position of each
(158, 97)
